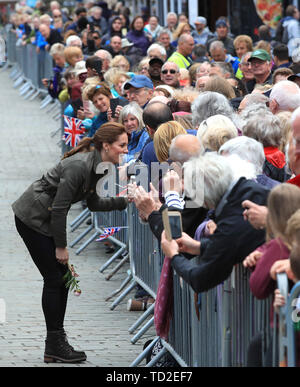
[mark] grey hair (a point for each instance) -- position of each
(172, 14)
(247, 149)
(287, 95)
(207, 178)
(164, 31)
(134, 109)
(156, 46)
(210, 103)
(253, 110)
(217, 44)
(265, 128)
(255, 98)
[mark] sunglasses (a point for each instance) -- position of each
(169, 71)
(96, 37)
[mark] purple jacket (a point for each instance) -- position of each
(139, 39)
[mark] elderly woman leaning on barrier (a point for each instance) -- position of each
(182, 148)
(210, 179)
(41, 217)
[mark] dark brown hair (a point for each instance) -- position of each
(108, 132)
(179, 106)
(101, 88)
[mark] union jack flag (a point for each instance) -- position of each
(108, 231)
(73, 131)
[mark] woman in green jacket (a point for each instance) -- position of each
(41, 214)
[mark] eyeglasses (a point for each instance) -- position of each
(135, 92)
(169, 71)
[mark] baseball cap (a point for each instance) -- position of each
(200, 20)
(260, 54)
(293, 77)
(221, 23)
(156, 60)
(139, 81)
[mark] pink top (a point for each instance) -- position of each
(261, 283)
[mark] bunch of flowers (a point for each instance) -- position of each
(71, 280)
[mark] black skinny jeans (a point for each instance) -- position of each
(55, 293)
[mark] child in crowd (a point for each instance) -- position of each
(283, 201)
(54, 85)
(292, 270)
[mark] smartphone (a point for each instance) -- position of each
(113, 105)
(86, 105)
(98, 67)
(172, 224)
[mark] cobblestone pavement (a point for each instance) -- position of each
(27, 150)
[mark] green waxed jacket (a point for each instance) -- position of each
(45, 204)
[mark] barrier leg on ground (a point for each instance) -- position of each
(122, 286)
(116, 255)
(80, 218)
(145, 352)
(118, 267)
(82, 235)
(142, 331)
(144, 316)
(48, 99)
(123, 295)
(156, 358)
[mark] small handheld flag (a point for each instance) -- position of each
(73, 131)
(108, 231)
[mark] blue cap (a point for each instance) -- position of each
(139, 81)
(221, 23)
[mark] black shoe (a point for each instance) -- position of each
(58, 349)
(109, 250)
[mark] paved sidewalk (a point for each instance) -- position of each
(27, 150)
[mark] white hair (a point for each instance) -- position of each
(286, 94)
(156, 46)
(134, 109)
(296, 55)
(71, 39)
(216, 130)
(207, 178)
(247, 149)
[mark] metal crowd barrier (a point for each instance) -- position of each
(228, 318)
(28, 68)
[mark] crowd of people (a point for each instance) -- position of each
(222, 111)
